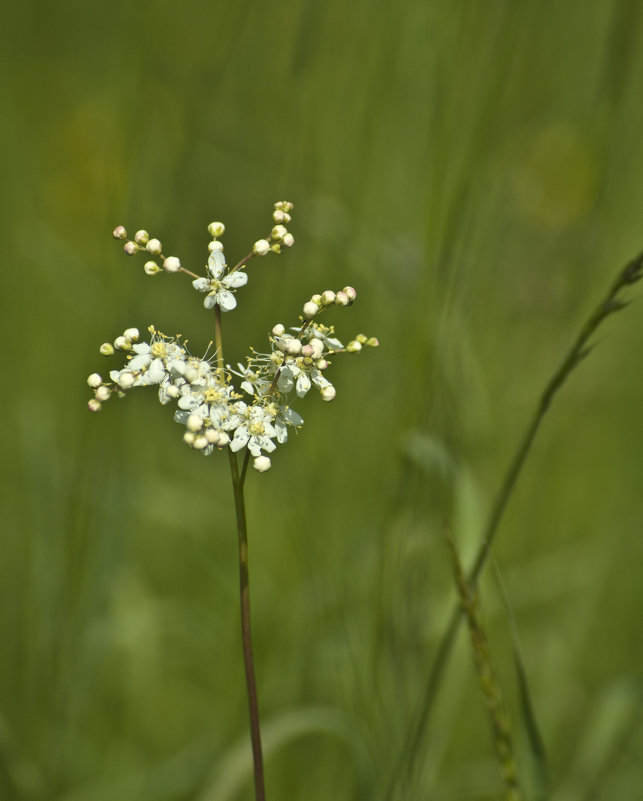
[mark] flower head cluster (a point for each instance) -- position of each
(213, 412)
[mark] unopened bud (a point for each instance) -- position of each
(132, 334)
(122, 343)
(373, 342)
(194, 422)
(354, 346)
(278, 330)
(261, 247)
(103, 393)
(93, 405)
(307, 351)
(154, 247)
(119, 232)
(328, 297)
(361, 338)
(201, 442)
(172, 264)
(215, 245)
(288, 240)
(278, 232)
(293, 347)
(151, 268)
(125, 380)
(310, 309)
(189, 438)
(342, 299)
(322, 364)
(328, 393)
(131, 248)
(351, 292)
(216, 229)
(212, 436)
(94, 380)
(262, 463)
(141, 237)
(106, 349)
(224, 439)
(173, 392)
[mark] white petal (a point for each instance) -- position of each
(201, 284)
(238, 278)
(303, 385)
(226, 300)
(142, 347)
(210, 301)
(239, 440)
(285, 381)
(139, 362)
(216, 263)
(156, 373)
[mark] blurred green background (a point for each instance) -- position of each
(475, 169)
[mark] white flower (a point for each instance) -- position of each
(256, 430)
(153, 362)
(218, 286)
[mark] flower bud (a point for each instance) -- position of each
(141, 237)
(212, 436)
(328, 393)
(318, 347)
(122, 343)
(278, 232)
(216, 229)
(194, 422)
(93, 405)
(94, 380)
(151, 268)
(354, 346)
(351, 292)
(201, 442)
(288, 240)
(307, 351)
(262, 463)
(132, 334)
(154, 247)
(261, 247)
(103, 393)
(361, 338)
(310, 309)
(189, 438)
(224, 439)
(131, 248)
(106, 349)
(327, 298)
(279, 216)
(293, 347)
(322, 364)
(125, 380)
(172, 264)
(278, 330)
(316, 299)
(173, 392)
(342, 299)
(214, 245)
(373, 342)
(119, 232)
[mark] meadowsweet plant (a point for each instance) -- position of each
(243, 410)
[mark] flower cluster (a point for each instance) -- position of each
(213, 413)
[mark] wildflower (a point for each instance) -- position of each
(219, 285)
(255, 430)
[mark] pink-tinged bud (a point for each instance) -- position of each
(351, 292)
(93, 405)
(322, 364)
(119, 232)
(131, 248)
(307, 351)
(373, 342)
(342, 299)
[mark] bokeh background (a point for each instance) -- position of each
(475, 169)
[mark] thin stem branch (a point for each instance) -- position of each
(244, 590)
(630, 274)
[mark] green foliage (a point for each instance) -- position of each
(475, 170)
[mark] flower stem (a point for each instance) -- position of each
(244, 588)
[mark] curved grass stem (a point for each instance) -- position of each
(630, 274)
